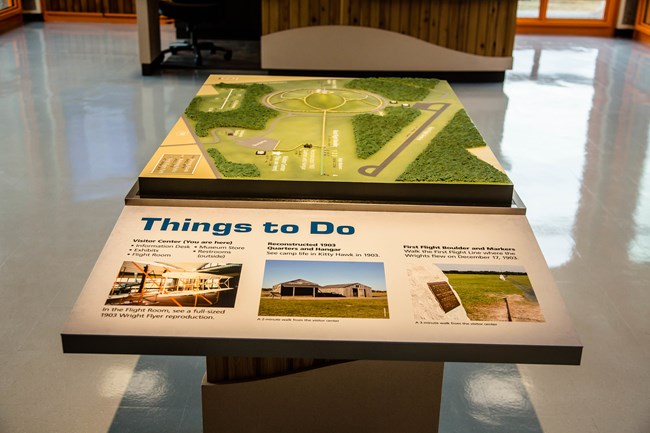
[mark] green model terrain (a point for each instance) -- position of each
(353, 130)
(447, 160)
(372, 132)
(401, 89)
(250, 114)
(233, 169)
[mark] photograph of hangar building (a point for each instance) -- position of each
(302, 287)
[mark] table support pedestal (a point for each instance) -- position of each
(274, 395)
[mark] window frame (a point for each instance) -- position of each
(570, 26)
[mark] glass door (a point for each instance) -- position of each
(529, 9)
(576, 9)
(562, 9)
(594, 17)
(6, 5)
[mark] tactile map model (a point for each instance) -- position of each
(366, 130)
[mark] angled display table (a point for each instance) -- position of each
(318, 314)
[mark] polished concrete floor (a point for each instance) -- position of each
(571, 124)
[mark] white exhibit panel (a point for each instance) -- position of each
(322, 284)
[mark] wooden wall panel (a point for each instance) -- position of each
(510, 29)
(500, 40)
(462, 26)
(92, 6)
(353, 13)
(107, 7)
(266, 16)
(283, 15)
(425, 15)
(314, 12)
(493, 31)
(336, 11)
(443, 27)
(52, 5)
(393, 17)
(364, 13)
(324, 9)
(471, 44)
(280, 15)
(302, 10)
(384, 14)
(481, 34)
(434, 20)
(119, 7)
(274, 17)
(294, 13)
(453, 24)
(414, 18)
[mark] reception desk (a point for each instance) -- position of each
(370, 35)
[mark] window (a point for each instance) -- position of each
(528, 9)
(576, 9)
(562, 9)
(587, 17)
(6, 4)
(9, 9)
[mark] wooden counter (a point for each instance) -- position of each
(407, 35)
(370, 35)
(485, 28)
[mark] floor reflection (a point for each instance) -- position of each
(575, 142)
(485, 398)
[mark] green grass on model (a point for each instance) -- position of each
(372, 132)
(428, 83)
(445, 162)
(462, 130)
(325, 131)
(398, 89)
(446, 159)
(232, 169)
(231, 86)
(250, 114)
